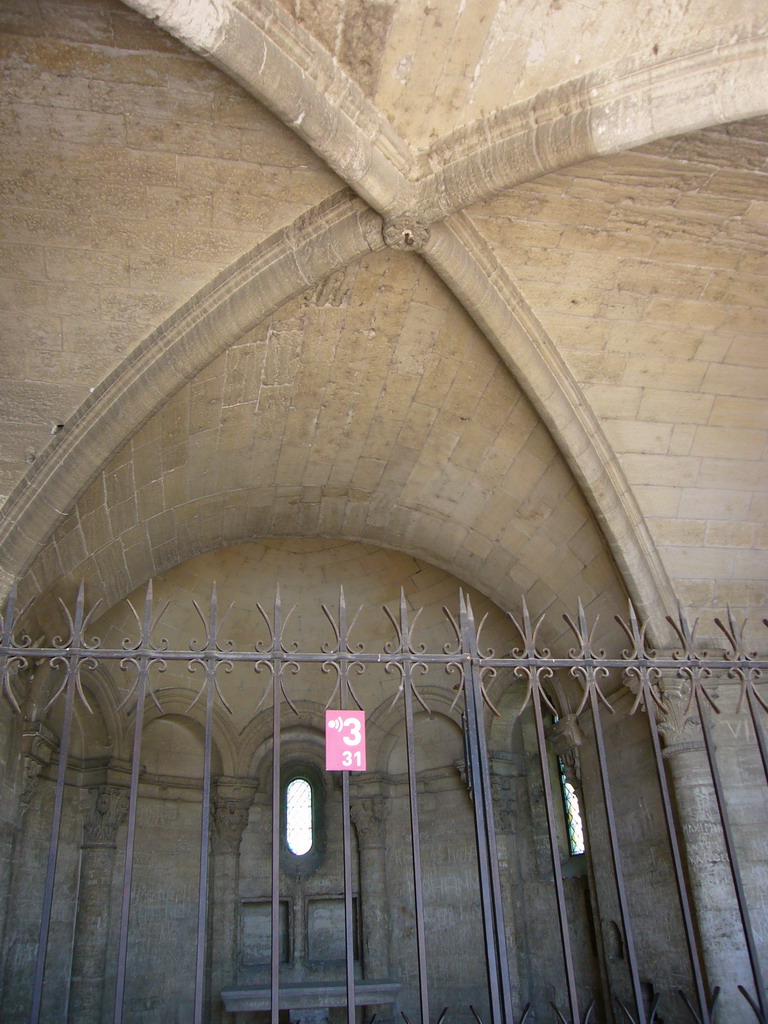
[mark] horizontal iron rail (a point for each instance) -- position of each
(640, 670)
(719, 664)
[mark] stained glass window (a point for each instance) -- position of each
(298, 816)
(572, 814)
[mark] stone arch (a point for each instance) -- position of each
(419, 525)
(616, 108)
(466, 263)
(523, 476)
(176, 705)
(279, 63)
(604, 111)
(296, 257)
(386, 721)
(255, 755)
(336, 232)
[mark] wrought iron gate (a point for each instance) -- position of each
(640, 672)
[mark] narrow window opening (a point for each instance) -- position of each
(576, 844)
(572, 814)
(298, 817)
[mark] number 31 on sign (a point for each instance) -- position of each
(345, 741)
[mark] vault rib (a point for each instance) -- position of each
(462, 258)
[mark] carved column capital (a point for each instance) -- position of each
(32, 769)
(504, 770)
(109, 806)
(678, 721)
(566, 734)
(504, 803)
(369, 815)
(231, 808)
(229, 822)
(564, 738)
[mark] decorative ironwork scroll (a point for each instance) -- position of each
(639, 676)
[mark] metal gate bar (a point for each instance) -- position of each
(643, 676)
(682, 892)
(534, 673)
(490, 884)
(209, 665)
(639, 669)
(140, 688)
(554, 853)
(404, 631)
(733, 860)
(695, 672)
(342, 651)
(273, 658)
(70, 684)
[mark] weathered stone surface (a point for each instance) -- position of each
(551, 383)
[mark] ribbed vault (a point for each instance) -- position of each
(145, 474)
(440, 454)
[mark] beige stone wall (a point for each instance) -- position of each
(461, 62)
(374, 407)
(396, 425)
(133, 172)
(393, 294)
(648, 271)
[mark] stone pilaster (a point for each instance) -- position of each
(369, 810)
(369, 815)
(231, 808)
(506, 771)
(721, 936)
(24, 885)
(109, 807)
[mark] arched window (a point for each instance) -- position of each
(572, 814)
(576, 844)
(299, 823)
(302, 819)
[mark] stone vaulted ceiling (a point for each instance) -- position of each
(483, 281)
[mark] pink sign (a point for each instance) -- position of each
(345, 741)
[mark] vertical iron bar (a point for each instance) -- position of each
(421, 946)
(618, 872)
(138, 726)
(8, 620)
(682, 889)
(277, 683)
(732, 855)
(493, 858)
(759, 734)
(53, 851)
(202, 906)
(58, 803)
(345, 816)
(129, 847)
(349, 950)
(562, 914)
(481, 830)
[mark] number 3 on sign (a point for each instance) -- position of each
(345, 741)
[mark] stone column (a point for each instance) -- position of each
(232, 804)
(505, 770)
(720, 932)
(565, 739)
(369, 809)
(26, 875)
(109, 806)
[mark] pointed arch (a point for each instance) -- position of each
(330, 236)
